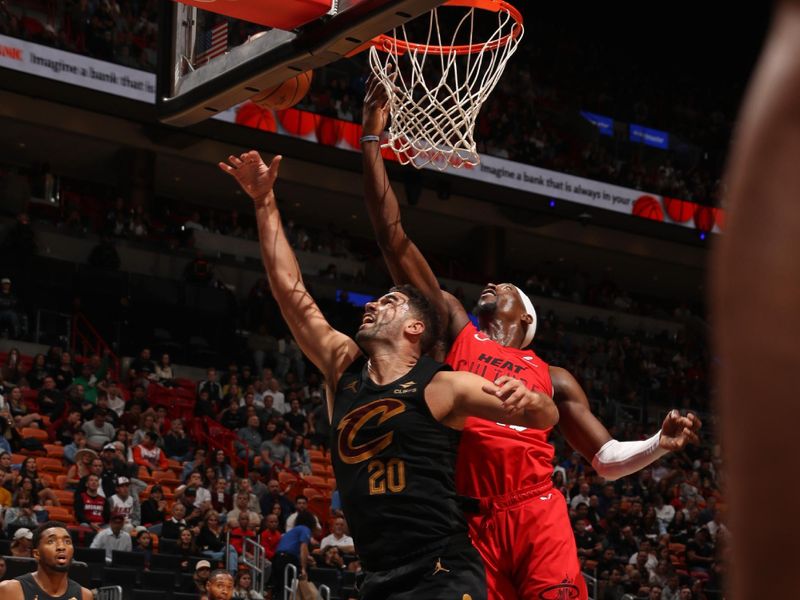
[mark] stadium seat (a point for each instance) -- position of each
(35, 433)
(311, 493)
(166, 562)
(158, 580)
(54, 451)
(153, 594)
(61, 482)
(61, 513)
(50, 465)
(120, 558)
(119, 576)
(17, 459)
(329, 577)
(65, 497)
(90, 555)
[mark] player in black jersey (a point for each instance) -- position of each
(395, 420)
(53, 550)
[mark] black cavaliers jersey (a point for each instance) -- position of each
(394, 466)
(32, 591)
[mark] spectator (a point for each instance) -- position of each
(113, 537)
(22, 543)
(143, 544)
(296, 421)
(338, 538)
(143, 366)
(700, 553)
(92, 509)
(69, 431)
(278, 399)
(148, 455)
(177, 444)
(21, 514)
(98, 431)
(332, 558)
(115, 400)
(164, 372)
(19, 412)
(586, 541)
(122, 503)
(96, 469)
(9, 310)
(202, 570)
(211, 540)
(38, 372)
(222, 466)
(172, 527)
(196, 464)
(251, 439)
(275, 455)
(233, 416)
(301, 503)
(83, 462)
(270, 536)
(239, 531)
(299, 457)
(242, 501)
(211, 386)
(275, 496)
(194, 487)
(243, 583)
(64, 374)
(154, 510)
(148, 424)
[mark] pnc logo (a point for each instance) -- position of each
(383, 409)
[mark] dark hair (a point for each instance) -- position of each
(100, 412)
(37, 533)
(424, 311)
(151, 435)
(307, 519)
(300, 497)
(217, 573)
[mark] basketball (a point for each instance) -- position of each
(286, 94)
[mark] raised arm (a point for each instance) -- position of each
(330, 350)
(613, 459)
(404, 260)
(455, 395)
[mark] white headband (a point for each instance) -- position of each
(531, 330)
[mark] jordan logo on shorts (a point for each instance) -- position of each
(438, 568)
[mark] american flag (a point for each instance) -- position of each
(212, 43)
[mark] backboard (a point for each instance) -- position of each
(210, 60)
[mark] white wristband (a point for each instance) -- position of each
(617, 459)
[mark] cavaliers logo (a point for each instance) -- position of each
(351, 424)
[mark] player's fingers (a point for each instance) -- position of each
(517, 399)
(503, 379)
(696, 422)
(506, 390)
(226, 167)
(275, 165)
(691, 436)
(234, 160)
(489, 388)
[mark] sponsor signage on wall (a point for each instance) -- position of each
(119, 80)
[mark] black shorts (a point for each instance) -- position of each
(455, 572)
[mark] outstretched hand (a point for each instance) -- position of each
(255, 177)
(678, 430)
(376, 107)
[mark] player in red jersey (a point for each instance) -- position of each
(522, 530)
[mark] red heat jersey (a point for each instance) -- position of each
(496, 459)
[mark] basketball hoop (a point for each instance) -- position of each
(436, 89)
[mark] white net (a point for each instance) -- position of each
(442, 81)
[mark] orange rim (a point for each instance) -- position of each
(388, 43)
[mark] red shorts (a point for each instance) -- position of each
(527, 545)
